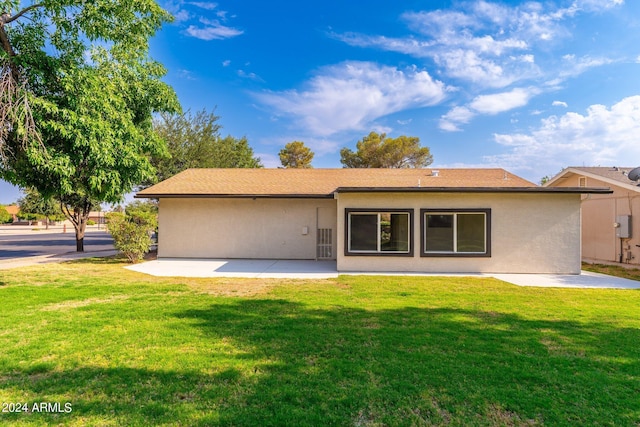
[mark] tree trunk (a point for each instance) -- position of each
(80, 226)
(78, 217)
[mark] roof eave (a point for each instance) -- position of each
(229, 196)
(564, 175)
(526, 190)
(521, 190)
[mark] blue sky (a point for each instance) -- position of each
(528, 86)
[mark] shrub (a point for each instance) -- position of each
(132, 232)
(27, 216)
(91, 222)
(5, 216)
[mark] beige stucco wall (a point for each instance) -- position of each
(530, 233)
(242, 228)
(599, 212)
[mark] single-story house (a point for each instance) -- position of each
(403, 220)
(13, 210)
(610, 222)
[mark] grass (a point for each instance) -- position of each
(613, 270)
(128, 349)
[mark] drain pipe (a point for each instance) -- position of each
(621, 257)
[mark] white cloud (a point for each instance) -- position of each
(527, 58)
(250, 76)
(409, 46)
(186, 74)
(573, 66)
(204, 5)
(559, 104)
(486, 104)
(597, 5)
(226, 62)
(212, 30)
(500, 102)
(352, 95)
(602, 136)
(457, 115)
(195, 18)
(488, 44)
(181, 16)
(468, 65)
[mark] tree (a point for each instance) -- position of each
(39, 207)
(378, 151)
(80, 94)
(296, 155)
(139, 208)
(194, 141)
(5, 216)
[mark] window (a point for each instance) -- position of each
(582, 181)
(456, 232)
(385, 232)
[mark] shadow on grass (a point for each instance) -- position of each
(118, 258)
(286, 364)
(107, 260)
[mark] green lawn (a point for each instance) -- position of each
(127, 349)
(613, 270)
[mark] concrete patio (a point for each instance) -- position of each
(251, 268)
(309, 269)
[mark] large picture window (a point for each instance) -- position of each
(385, 232)
(456, 232)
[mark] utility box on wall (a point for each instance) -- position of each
(623, 226)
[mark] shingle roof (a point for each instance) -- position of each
(324, 182)
(612, 176)
(618, 174)
(13, 209)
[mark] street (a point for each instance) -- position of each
(24, 242)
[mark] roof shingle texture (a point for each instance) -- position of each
(615, 173)
(237, 182)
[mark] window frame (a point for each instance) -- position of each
(378, 211)
(432, 254)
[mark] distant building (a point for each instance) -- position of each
(13, 210)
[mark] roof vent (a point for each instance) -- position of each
(634, 175)
(435, 172)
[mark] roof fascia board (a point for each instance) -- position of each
(231, 196)
(592, 176)
(521, 190)
(501, 190)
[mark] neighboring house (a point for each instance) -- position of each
(98, 217)
(610, 222)
(409, 220)
(13, 210)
